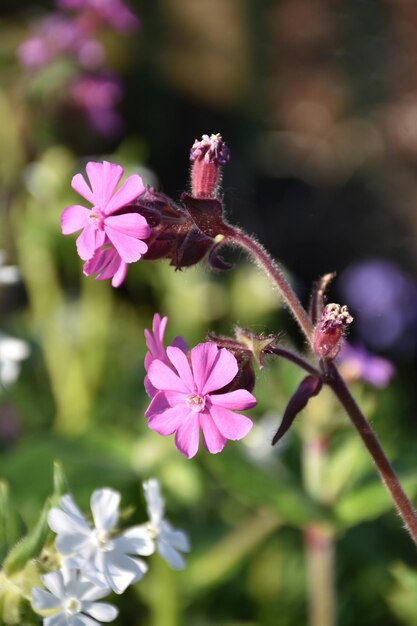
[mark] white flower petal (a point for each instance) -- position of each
(55, 620)
(68, 505)
(105, 508)
(135, 540)
(66, 544)
(81, 620)
(44, 600)
(54, 581)
(78, 589)
(176, 538)
(60, 522)
(170, 554)
(154, 500)
(121, 571)
(101, 611)
(97, 592)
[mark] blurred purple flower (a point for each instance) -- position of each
(356, 363)
(97, 97)
(115, 13)
(58, 35)
(384, 301)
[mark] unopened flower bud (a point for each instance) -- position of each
(330, 329)
(207, 155)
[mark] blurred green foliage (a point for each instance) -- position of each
(80, 400)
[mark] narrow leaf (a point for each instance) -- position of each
(30, 546)
(310, 386)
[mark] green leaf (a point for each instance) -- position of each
(211, 567)
(30, 546)
(402, 598)
(258, 487)
(370, 500)
(11, 525)
(60, 482)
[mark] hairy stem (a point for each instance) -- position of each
(385, 470)
(262, 258)
(332, 377)
(294, 358)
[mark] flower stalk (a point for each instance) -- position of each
(333, 379)
(237, 237)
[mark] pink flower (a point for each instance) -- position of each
(186, 400)
(99, 224)
(107, 263)
(97, 97)
(154, 341)
(113, 12)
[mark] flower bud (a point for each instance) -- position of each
(207, 156)
(330, 329)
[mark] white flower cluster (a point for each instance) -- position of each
(97, 560)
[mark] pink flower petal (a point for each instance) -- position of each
(187, 436)
(129, 248)
(162, 377)
(131, 224)
(158, 405)
(170, 420)
(213, 439)
(203, 357)
(238, 400)
(131, 189)
(223, 371)
(179, 342)
(74, 218)
(88, 242)
(154, 340)
(158, 327)
(104, 178)
(80, 186)
(96, 264)
(180, 362)
(119, 275)
(149, 388)
(231, 425)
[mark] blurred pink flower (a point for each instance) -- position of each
(100, 224)
(186, 400)
(356, 363)
(115, 13)
(97, 96)
(154, 342)
(58, 35)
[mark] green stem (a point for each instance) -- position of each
(319, 548)
(318, 540)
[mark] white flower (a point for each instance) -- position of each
(12, 351)
(169, 542)
(71, 601)
(103, 557)
(9, 274)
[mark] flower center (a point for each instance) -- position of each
(96, 218)
(195, 402)
(102, 540)
(72, 606)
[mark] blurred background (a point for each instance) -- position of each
(317, 101)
